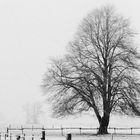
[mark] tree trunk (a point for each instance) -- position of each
(104, 122)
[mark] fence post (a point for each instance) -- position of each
(80, 130)
(32, 136)
(114, 130)
(68, 137)
(7, 130)
(43, 135)
(5, 136)
(10, 136)
(23, 136)
(131, 130)
(21, 129)
(61, 131)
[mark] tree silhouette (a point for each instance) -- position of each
(100, 71)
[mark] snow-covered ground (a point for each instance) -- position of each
(81, 122)
(108, 137)
(85, 137)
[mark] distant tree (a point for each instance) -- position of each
(33, 112)
(100, 72)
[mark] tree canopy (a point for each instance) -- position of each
(100, 71)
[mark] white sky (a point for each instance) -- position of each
(31, 31)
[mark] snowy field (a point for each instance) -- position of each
(57, 135)
(116, 122)
(84, 137)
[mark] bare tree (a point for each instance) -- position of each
(100, 72)
(33, 112)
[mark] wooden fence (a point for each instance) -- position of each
(77, 130)
(40, 132)
(36, 133)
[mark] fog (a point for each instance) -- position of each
(32, 32)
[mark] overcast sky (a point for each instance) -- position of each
(32, 31)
